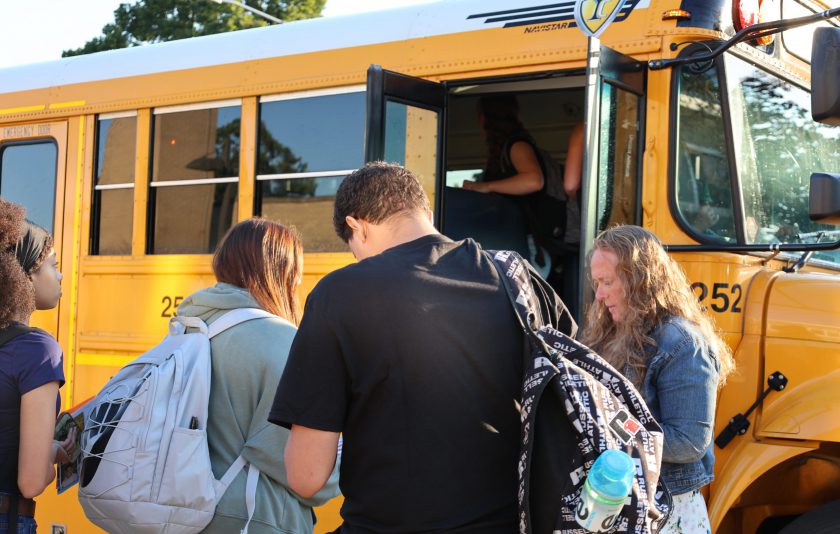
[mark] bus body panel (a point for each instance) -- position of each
(116, 307)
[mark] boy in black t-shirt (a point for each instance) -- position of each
(415, 356)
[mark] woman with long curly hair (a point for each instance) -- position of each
(31, 370)
(648, 324)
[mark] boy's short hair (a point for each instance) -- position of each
(376, 192)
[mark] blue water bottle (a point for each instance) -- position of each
(605, 491)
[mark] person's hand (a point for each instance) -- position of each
(706, 218)
(64, 451)
(478, 187)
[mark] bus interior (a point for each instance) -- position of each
(549, 108)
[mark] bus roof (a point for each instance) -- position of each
(299, 37)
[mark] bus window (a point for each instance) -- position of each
(113, 190)
(411, 139)
(195, 170)
(307, 144)
(27, 177)
(618, 157)
(703, 185)
(777, 147)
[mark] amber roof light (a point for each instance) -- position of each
(676, 14)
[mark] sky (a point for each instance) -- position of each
(31, 32)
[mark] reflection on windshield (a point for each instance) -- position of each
(777, 147)
(703, 185)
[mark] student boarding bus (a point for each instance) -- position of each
(698, 125)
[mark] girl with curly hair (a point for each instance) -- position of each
(30, 369)
(648, 324)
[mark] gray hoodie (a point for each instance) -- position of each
(248, 361)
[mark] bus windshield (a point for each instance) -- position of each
(777, 146)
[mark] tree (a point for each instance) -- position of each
(154, 21)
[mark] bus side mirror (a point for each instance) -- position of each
(825, 76)
(824, 199)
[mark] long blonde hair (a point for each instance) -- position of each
(656, 289)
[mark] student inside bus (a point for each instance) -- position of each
(515, 167)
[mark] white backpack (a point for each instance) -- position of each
(145, 458)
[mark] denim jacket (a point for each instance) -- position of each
(680, 388)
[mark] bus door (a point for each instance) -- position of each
(405, 118)
(32, 169)
(612, 163)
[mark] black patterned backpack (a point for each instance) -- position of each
(574, 406)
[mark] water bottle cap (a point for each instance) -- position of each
(616, 465)
(612, 474)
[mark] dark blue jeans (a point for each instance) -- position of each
(26, 525)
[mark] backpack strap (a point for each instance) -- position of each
(251, 494)
(238, 316)
(533, 299)
(250, 486)
(226, 321)
(14, 330)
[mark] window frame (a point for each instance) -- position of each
(746, 55)
(37, 141)
(641, 116)
(297, 95)
(95, 198)
(152, 186)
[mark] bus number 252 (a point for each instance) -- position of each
(723, 298)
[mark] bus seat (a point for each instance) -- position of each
(495, 221)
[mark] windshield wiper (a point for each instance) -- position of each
(818, 235)
(803, 259)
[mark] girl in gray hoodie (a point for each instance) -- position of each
(258, 264)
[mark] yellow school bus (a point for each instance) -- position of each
(139, 160)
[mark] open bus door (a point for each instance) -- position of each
(406, 124)
(613, 150)
(405, 118)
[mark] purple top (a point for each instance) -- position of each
(26, 363)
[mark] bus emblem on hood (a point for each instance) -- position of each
(593, 16)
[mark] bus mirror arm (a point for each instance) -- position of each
(739, 424)
(750, 32)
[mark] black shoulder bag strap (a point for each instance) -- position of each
(7, 334)
(535, 305)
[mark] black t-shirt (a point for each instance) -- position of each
(415, 355)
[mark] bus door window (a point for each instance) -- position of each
(411, 139)
(618, 156)
(703, 185)
(113, 190)
(307, 145)
(195, 175)
(28, 178)
(777, 147)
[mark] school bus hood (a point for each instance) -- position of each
(802, 340)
